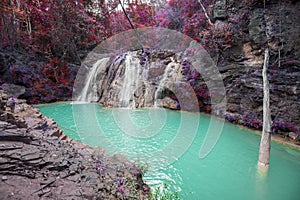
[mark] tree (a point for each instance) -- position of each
(264, 148)
(186, 16)
(53, 28)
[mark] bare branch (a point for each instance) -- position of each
(205, 13)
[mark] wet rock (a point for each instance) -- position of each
(128, 83)
(242, 77)
(42, 82)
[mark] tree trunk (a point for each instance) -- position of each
(264, 150)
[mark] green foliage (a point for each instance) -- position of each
(163, 193)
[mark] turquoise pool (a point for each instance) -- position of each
(228, 172)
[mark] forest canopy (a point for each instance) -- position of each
(68, 29)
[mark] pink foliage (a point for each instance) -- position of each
(183, 15)
(62, 28)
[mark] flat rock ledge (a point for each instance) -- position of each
(37, 161)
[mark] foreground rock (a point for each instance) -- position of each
(37, 161)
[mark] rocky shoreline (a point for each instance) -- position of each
(37, 161)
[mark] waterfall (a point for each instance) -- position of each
(131, 82)
(89, 91)
(169, 75)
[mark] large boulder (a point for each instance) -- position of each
(13, 90)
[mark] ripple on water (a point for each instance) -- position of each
(228, 172)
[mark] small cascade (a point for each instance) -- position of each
(89, 91)
(131, 81)
(168, 74)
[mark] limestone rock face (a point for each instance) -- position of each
(136, 79)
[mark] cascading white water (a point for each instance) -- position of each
(89, 91)
(168, 74)
(131, 81)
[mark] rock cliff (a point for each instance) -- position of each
(254, 26)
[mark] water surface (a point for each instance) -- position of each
(228, 172)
